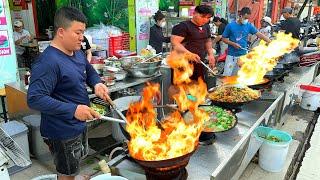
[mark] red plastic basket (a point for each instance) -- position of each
(115, 43)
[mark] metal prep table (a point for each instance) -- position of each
(222, 159)
(233, 150)
(17, 94)
(129, 82)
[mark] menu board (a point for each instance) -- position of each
(8, 61)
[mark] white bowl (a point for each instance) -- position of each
(108, 177)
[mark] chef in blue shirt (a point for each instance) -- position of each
(236, 36)
(58, 90)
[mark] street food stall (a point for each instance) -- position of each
(225, 155)
(215, 153)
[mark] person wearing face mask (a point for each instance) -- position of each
(236, 36)
(156, 35)
(194, 37)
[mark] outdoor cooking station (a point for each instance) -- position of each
(233, 150)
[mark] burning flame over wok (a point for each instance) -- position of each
(150, 143)
(264, 58)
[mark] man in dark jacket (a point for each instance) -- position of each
(156, 35)
(291, 24)
(58, 90)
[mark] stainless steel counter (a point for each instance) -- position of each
(128, 82)
(17, 94)
(233, 150)
(222, 159)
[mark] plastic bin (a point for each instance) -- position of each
(103, 42)
(115, 44)
(38, 148)
(310, 97)
(272, 155)
(19, 133)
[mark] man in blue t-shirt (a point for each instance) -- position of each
(236, 36)
(58, 90)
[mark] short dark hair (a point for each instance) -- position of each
(65, 15)
(158, 16)
(216, 19)
(204, 9)
(245, 10)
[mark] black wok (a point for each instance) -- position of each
(232, 80)
(274, 74)
(234, 105)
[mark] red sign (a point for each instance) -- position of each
(316, 10)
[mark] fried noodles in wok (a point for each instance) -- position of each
(232, 94)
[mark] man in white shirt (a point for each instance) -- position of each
(266, 26)
(20, 36)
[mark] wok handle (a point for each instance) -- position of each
(106, 118)
(208, 68)
(113, 105)
(110, 101)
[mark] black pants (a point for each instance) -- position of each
(67, 154)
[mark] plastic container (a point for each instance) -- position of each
(310, 97)
(102, 42)
(108, 177)
(19, 133)
(272, 155)
(38, 148)
(46, 177)
(115, 44)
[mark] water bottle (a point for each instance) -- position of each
(27, 78)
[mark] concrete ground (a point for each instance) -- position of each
(296, 125)
(39, 168)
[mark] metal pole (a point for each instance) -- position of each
(309, 10)
(305, 39)
(302, 7)
(237, 7)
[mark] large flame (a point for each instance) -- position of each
(264, 58)
(175, 137)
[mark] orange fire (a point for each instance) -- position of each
(175, 137)
(264, 58)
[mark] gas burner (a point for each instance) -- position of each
(175, 174)
(168, 169)
(207, 138)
